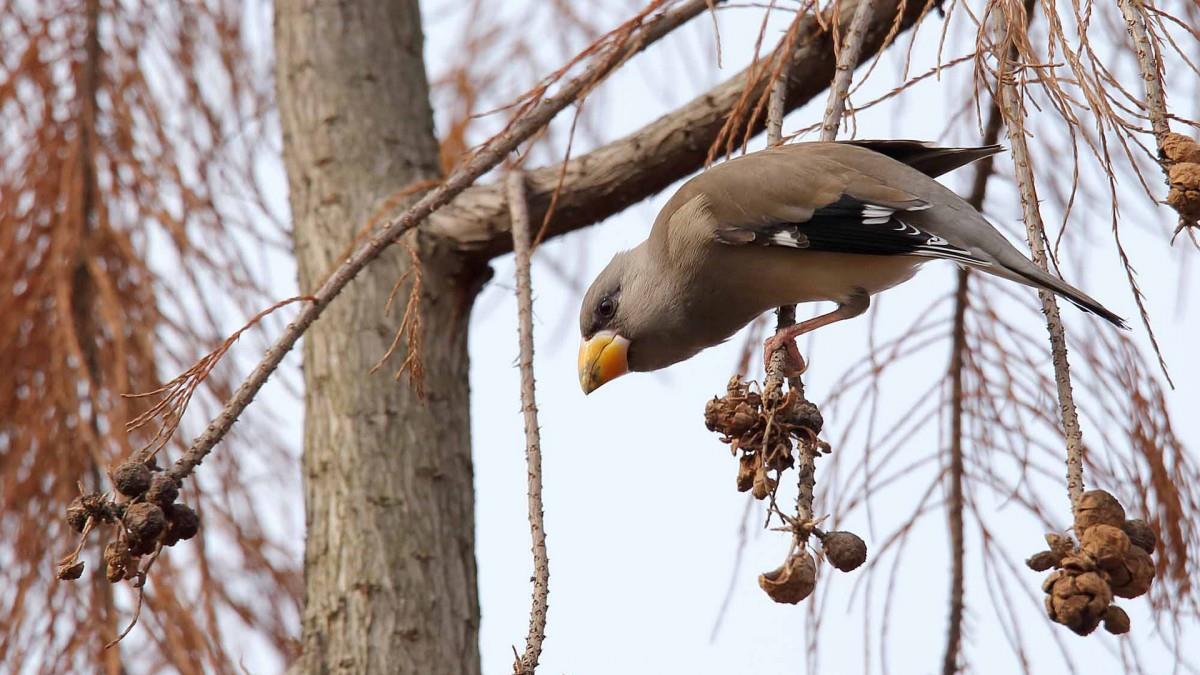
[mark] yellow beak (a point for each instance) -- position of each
(602, 358)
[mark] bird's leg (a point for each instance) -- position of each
(794, 364)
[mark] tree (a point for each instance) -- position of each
(390, 579)
(390, 557)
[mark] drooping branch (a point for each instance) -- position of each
(1013, 113)
(955, 504)
(612, 177)
(522, 245)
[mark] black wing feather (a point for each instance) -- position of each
(853, 226)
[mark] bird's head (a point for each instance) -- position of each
(621, 320)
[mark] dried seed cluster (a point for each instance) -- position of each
(764, 437)
(1182, 157)
(1111, 559)
(762, 434)
(148, 515)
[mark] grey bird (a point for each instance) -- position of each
(836, 221)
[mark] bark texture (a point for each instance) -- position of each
(390, 582)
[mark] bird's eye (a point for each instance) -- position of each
(606, 308)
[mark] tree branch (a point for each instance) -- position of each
(958, 350)
(1013, 112)
(528, 662)
(627, 41)
(610, 178)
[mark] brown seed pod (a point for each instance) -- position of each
(182, 524)
(1184, 195)
(1060, 545)
(743, 419)
(131, 478)
(1078, 601)
(77, 515)
(1134, 576)
(163, 490)
(1097, 507)
(1116, 621)
(117, 561)
(1107, 545)
(1078, 563)
(1043, 560)
(763, 484)
(1140, 534)
(70, 572)
(845, 550)
(793, 581)
(1180, 148)
(144, 521)
(746, 469)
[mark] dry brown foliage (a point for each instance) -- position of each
(128, 127)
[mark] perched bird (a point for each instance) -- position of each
(837, 221)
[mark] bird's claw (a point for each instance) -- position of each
(793, 364)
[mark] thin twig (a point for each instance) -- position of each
(1148, 63)
(637, 38)
(1013, 109)
(519, 208)
(958, 350)
(846, 63)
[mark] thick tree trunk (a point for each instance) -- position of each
(389, 561)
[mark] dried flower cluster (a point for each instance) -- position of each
(763, 434)
(1182, 158)
(1111, 559)
(147, 517)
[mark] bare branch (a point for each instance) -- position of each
(847, 61)
(630, 39)
(958, 350)
(1013, 112)
(612, 177)
(528, 662)
(1148, 63)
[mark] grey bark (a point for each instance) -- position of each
(390, 584)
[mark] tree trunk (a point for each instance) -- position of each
(389, 560)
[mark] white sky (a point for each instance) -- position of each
(641, 511)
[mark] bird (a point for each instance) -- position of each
(832, 221)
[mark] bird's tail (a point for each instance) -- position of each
(1037, 278)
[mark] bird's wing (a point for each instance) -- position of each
(811, 202)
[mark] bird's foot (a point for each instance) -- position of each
(793, 364)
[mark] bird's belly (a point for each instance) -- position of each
(790, 276)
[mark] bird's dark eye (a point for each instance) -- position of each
(606, 308)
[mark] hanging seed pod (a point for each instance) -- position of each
(144, 521)
(1134, 576)
(131, 478)
(163, 490)
(845, 550)
(1107, 545)
(763, 484)
(793, 581)
(1079, 601)
(1097, 507)
(182, 524)
(69, 571)
(746, 471)
(1116, 621)
(1140, 534)
(1043, 560)
(1180, 148)
(117, 561)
